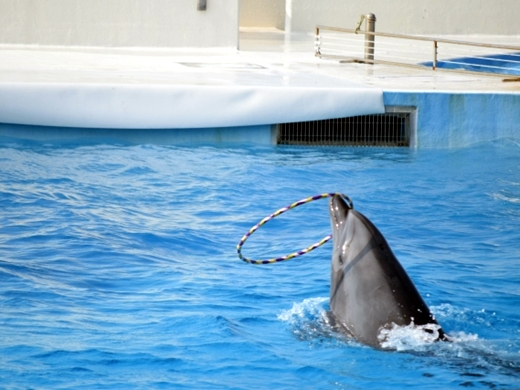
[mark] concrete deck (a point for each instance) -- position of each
(270, 47)
(453, 109)
(265, 56)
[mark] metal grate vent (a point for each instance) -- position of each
(389, 129)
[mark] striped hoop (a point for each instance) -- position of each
(276, 214)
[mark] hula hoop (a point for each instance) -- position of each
(276, 214)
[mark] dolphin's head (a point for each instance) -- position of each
(342, 232)
(339, 210)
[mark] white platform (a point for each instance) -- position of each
(235, 96)
(152, 89)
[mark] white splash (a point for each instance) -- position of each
(308, 308)
(409, 337)
(308, 320)
(417, 337)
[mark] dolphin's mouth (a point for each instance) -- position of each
(338, 210)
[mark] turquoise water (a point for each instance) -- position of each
(119, 269)
(496, 63)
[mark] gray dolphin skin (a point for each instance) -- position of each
(369, 289)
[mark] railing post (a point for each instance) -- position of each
(434, 62)
(317, 42)
(370, 26)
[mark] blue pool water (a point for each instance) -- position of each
(119, 269)
(495, 63)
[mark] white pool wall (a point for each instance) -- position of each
(440, 17)
(178, 23)
(119, 23)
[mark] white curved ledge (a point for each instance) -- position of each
(153, 106)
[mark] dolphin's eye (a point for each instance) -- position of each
(340, 259)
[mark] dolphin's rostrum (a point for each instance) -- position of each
(369, 289)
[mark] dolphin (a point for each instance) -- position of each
(369, 289)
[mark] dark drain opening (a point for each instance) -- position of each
(389, 129)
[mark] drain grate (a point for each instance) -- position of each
(388, 129)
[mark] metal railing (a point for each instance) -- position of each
(355, 45)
